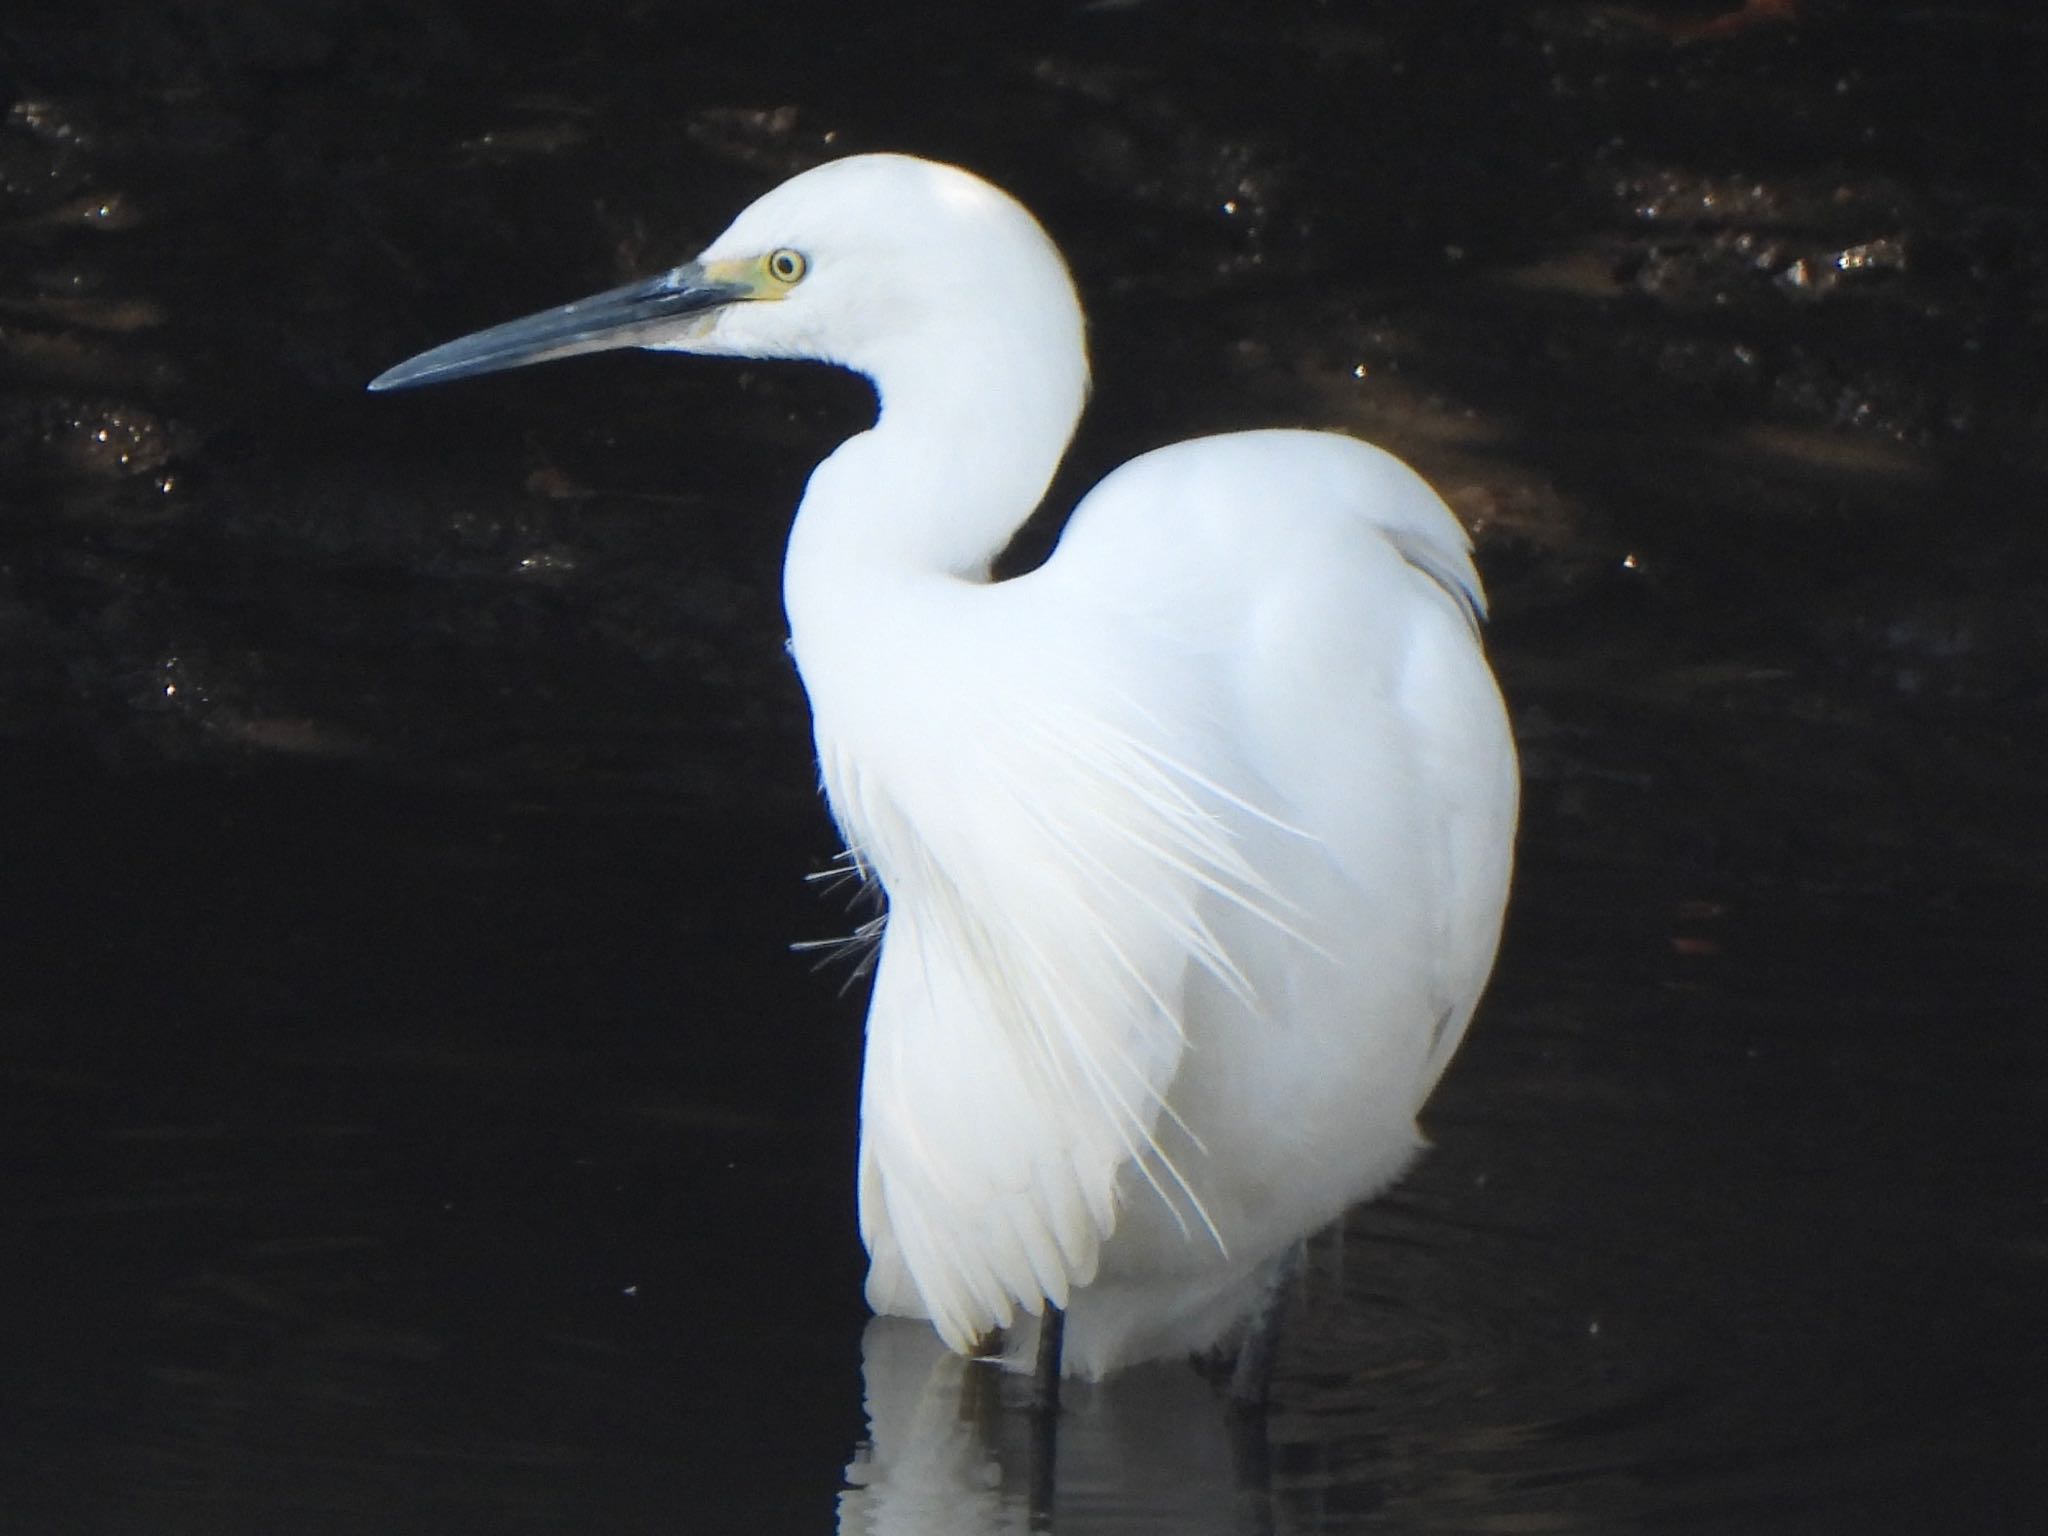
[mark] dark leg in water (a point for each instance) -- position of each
(1045, 1416)
(1045, 1369)
(1251, 1380)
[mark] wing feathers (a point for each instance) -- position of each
(1027, 1014)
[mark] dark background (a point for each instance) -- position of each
(411, 1116)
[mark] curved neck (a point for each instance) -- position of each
(967, 439)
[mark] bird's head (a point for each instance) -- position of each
(908, 271)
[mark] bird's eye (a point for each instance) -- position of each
(787, 266)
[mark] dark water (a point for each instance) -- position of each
(411, 1116)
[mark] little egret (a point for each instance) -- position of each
(1195, 840)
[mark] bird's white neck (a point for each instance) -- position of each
(968, 437)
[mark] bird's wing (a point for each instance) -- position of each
(1336, 593)
(1027, 1013)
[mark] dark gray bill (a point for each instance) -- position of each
(619, 317)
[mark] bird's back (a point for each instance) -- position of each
(1327, 598)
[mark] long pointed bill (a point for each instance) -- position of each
(635, 315)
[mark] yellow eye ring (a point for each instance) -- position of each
(786, 266)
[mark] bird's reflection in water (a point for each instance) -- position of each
(953, 1449)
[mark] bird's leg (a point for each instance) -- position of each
(1045, 1416)
(1252, 1377)
(1045, 1368)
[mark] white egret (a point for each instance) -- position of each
(1195, 840)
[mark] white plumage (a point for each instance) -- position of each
(1195, 840)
